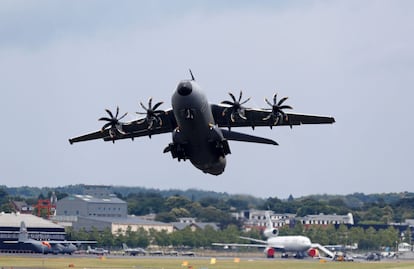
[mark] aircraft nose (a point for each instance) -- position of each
(184, 88)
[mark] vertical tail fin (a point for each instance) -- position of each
(269, 221)
(23, 235)
(124, 246)
(270, 231)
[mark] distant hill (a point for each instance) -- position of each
(192, 194)
(355, 200)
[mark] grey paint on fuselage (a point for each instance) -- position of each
(196, 125)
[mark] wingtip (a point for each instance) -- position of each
(70, 141)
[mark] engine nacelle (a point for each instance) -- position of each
(271, 232)
(313, 252)
(270, 253)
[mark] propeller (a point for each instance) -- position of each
(277, 110)
(112, 122)
(236, 107)
(152, 113)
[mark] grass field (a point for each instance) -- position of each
(194, 263)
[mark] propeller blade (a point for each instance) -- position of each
(282, 100)
(105, 119)
(152, 114)
(247, 100)
(232, 97)
(267, 101)
(109, 112)
(113, 121)
(157, 105)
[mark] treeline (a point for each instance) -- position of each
(168, 206)
(378, 212)
(211, 209)
(210, 206)
(368, 239)
(185, 238)
(170, 209)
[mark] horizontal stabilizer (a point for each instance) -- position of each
(235, 136)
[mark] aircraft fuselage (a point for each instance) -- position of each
(197, 134)
(293, 243)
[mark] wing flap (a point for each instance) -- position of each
(239, 245)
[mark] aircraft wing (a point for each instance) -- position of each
(263, 117)
(260, 244)
(75, 242)
(136, 128)
(273, 244)
(239, 245)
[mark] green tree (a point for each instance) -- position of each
(369, 239)
(387, 237)
(166, 217)
(177, 202)
(341, 234)
(161, 238)
(317, 233)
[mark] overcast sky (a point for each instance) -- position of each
(63, 62)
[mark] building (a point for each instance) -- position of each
(22, 207)
(322, 219)
(256, 219)
(98, 209)
(193, 224)
(108, 206)
(37, 228)
(120, 225)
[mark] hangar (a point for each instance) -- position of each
(37, 228)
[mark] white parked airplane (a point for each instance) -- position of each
(297, 244)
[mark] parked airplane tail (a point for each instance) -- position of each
(270, 231)
(23, 235)
(124, 246)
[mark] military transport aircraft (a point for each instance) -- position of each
(198, 128)
(27, 244)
